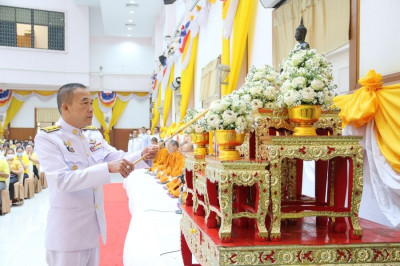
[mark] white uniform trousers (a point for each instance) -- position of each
(87, 257)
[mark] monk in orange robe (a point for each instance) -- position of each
(166, 168)
(161, 159)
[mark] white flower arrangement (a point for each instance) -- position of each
(231, 112)
(306, 79)
(200, 126)
(261, 87)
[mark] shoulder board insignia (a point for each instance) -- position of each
(90, 128)
(51, 128)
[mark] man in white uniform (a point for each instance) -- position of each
(78, 162)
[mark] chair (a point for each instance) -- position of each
(19, 194)
(5, 202)
(29, 188)
(43, 180)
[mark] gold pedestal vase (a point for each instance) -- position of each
(305, 116)
(227, 140)
(200, 140)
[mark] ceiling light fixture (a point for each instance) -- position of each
(131, 11)
(129, 28)
(128, 35)
(131, 20)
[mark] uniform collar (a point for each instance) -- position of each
(67, 127)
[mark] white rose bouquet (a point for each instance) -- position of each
(261, 87)
(200, 126)
(231, 112)
(306, 79)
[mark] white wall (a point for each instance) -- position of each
(209, 46)
(340, 71)
(25, 118)
(46, 67)
(379, 36)
(260, 38)
(136, 114)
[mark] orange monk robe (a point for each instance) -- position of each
(175, 169)
(161, 158)
(168, 165)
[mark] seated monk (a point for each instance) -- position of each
(175, 184)
(177, 167)
(161, 158)
(166, 168)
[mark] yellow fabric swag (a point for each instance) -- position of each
(374, 101)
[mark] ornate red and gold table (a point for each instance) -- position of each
(304, 243)
(345, 157)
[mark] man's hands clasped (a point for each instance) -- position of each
(122, 166)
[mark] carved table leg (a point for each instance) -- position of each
(262, 202)
(276, 200)
(356, 186)
(211, 220)
(225, 202)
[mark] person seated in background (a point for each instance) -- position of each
(24, 160)
(33, 159)
(175, 169)
(165, 169)
(12, 145)
(16, 169)
(153, 142)
(161, 158)
(175, 184)
(18, 144)
(4, 175)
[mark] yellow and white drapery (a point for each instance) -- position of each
(237, 16)
(116, 109)
(372, 111)
(15, 102)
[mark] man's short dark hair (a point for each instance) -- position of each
(154, 139)
(65, 93)
(157, 128)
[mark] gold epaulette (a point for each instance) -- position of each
(51, 128)
(90, 128)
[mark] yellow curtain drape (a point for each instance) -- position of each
(13, 109)
(226, 53)
(98, 113)
(117, 111)
(374, 101)
(187, 77)
(140, 93)
(244, 14)
(327, 24)
(27, 92)
(156, 113)
(168, 95)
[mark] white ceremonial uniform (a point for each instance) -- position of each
(137, 144)
(130, 145)
(145, 140)
(156, 136)
(75, 163)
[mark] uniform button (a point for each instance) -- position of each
(87, 154)
(95, 188)
(75, 131)
(96, 206)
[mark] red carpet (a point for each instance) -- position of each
(118, 219)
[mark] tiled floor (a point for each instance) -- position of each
(22, 231)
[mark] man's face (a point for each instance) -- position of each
(80, 112)
(142, 131)
(135, 133)
(156, 130)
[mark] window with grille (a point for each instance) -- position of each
(32, 28)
